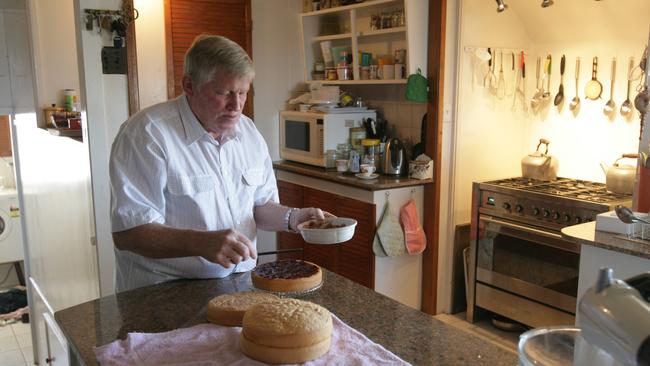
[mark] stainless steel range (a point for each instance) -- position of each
(520, 267)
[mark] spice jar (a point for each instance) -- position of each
(356, 135)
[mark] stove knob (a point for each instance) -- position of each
(506, 206)
(556, 215)
(519, 208)
(535, 211)
(577, 220)
(566, 218)
(546, 213)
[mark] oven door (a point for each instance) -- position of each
(531, 262)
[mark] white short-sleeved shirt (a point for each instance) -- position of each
(165, 168)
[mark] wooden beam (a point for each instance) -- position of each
(169, 51)
(436, 78)
(132, 63)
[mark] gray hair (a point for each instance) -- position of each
(209, 53)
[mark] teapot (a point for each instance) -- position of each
(540, 165)
(619, 177)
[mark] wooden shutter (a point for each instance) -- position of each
(186, 19)
(5, 136)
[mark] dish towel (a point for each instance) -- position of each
(209, 344)
(390, 234)
(416, 240)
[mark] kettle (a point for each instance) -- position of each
(540, 165)
(394, 158)
(620, 177)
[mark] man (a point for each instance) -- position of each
(192, 179)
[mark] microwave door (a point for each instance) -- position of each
(297, 135)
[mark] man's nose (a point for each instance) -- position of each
(234, 102)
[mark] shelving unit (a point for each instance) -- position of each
(350, 27)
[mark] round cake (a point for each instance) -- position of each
(286, 331)
(229, 309)
(287, 275)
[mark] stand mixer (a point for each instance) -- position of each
(615, 316)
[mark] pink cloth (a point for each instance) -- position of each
(209, 344)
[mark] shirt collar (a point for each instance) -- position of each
(194, 130)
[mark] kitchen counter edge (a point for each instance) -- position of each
(414, 336)
(381, 183)
(587, 234)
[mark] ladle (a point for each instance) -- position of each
(627, 216)
(626, 108)
(559, 97)
(610, 106)
(539, 91)
(575, 102)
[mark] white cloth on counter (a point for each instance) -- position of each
(165, 168)
(209, 344)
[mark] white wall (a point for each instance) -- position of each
(55, 49)
(150, 47)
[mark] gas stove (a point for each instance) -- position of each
(553, 204)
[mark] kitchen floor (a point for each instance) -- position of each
(16, 344)
(483, 329)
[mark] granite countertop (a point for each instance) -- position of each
(380, 183)
(587, 234)
(412, 335)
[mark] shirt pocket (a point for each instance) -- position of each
(253, 177)
(190, 185)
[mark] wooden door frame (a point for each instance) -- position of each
(132, 63)
(436, 78)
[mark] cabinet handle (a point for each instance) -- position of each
(49, 360)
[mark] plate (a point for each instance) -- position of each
(364, 176)
(293, 293)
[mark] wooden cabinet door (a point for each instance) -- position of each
(323, 255)
(355, 259)
(290, 195)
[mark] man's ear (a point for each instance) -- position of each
(186, 82)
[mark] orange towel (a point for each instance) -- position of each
(416, 240)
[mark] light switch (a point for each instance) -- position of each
(446, 113)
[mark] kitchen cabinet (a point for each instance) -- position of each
(399, 277)
(353, 259)
(349, 27)
(57, 345)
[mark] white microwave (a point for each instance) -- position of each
(306, 136)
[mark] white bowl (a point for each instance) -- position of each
(329, 236)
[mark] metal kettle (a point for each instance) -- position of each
(394, 158)
(540, 165)
(620, 177)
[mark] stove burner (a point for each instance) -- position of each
(563, 187)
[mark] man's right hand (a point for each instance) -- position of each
(229, 247)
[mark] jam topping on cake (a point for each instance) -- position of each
(286, 269)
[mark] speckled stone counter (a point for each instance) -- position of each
(412, 335)
(587, 234)
(380, 183)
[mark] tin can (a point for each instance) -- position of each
(331, 74)
(69, 99)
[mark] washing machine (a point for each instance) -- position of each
(11, 234)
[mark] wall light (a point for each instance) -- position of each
(547, 3)
(501, 6)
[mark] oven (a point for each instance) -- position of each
(520, 267)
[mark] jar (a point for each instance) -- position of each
(370, 152)
(356, 135)
(330, 73)
(343, 150)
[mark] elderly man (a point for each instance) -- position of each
(192, 179)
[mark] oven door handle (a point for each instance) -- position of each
(522, 228)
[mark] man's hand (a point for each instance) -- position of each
(305, 214)
(229, 247)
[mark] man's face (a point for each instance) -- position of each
(218, 103)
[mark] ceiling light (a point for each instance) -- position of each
(547, 3)
(501, 6)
